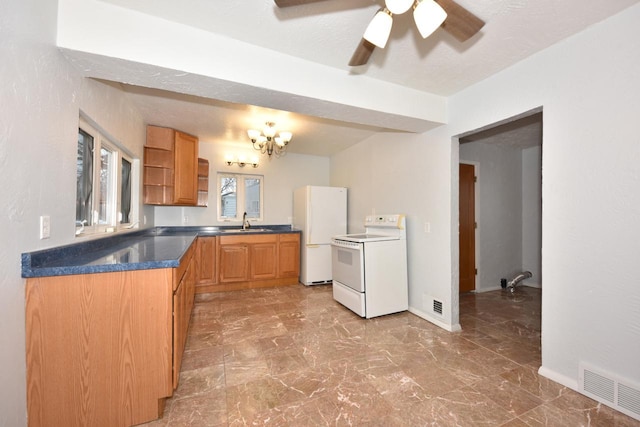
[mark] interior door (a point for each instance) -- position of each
(467, 229)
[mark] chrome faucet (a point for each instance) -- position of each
(245, 222)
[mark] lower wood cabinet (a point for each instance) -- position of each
(183, 297)
(250, 261)
(289, 255)
(263, 258)
(234, 261)
(105, 349)
(247, 257)
(206, 259)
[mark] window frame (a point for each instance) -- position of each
(240, 196)
(111, 222)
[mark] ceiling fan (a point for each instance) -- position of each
(428, 16)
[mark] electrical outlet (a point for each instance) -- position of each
(185, 220)
(45, 227)
(427, 227)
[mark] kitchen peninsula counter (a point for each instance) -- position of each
(107, 319)
(159, 247)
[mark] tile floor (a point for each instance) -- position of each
(291, 356)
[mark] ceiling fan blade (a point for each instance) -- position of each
(362, 53)
(460, 23)
(287, 3)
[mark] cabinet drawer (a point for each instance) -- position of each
(249, 238)
(290, 237)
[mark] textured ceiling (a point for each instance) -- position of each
(327, 32)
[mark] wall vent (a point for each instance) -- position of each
(603, 387)
(611, 390)
(629, 399)
(437, 307)
(432, 305)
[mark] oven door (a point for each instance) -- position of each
(347, 264)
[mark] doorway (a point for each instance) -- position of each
(504, 235)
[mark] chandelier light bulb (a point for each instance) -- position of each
(253, 134)
(285, 136)
(268, 130)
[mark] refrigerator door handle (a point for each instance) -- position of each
(309, 222)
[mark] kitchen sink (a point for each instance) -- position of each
(247, 230)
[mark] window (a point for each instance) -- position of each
(238, 194)
(104, 197)
(125, 191)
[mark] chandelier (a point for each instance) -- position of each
(267, 141)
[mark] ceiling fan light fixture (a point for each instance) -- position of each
(398, 7)
(428, 15)
(379, 28)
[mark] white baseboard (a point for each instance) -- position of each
(571, 383)
(435, 321)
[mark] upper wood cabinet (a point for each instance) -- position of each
(170, 167)
(203, 182)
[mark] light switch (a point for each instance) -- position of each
(427, 227)
(45, 227)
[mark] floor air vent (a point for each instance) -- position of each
(610, 390)
(629, 399)
(437, 306)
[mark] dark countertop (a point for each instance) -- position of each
(159, 247)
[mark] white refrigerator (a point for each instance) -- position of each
(321, 213)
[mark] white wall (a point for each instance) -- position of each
(588, 87)
(499, 213)
(41, 98)
(410, 174)
(532, 214)
(281, 176)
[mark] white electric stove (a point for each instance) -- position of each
(369, 270)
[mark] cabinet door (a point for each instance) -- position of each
(263, 260)
(182, 305)
(289, 256)
(234, 263)
(206, 261)
(98, 347)
(185, 191)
